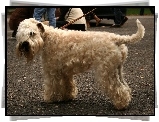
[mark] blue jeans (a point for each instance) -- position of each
(38, 12)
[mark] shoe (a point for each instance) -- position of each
(124, 20)
(115, 26)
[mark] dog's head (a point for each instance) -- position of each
(29, 38)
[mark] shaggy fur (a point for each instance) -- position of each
(66, 53)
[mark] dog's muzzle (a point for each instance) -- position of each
(24, 46)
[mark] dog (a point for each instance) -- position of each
(69, 52)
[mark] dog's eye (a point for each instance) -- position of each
(32, 33)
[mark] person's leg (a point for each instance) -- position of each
(51, 16)
(152, 10)
(38, 12)
(98, 20)
(118, 16)
(88, 16)
(142, 11)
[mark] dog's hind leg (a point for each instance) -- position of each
(121, 93)
(124, 53)
(118, 92)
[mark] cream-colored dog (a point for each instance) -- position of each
(66, 53)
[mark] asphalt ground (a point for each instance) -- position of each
(24, 81)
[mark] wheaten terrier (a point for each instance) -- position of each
(67, 52)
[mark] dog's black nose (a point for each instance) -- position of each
(25, 46)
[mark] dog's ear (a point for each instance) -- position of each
(41, 28)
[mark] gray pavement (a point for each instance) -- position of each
(24, 81)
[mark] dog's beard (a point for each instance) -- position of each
(24, 48)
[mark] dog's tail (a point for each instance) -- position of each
(133, 38)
